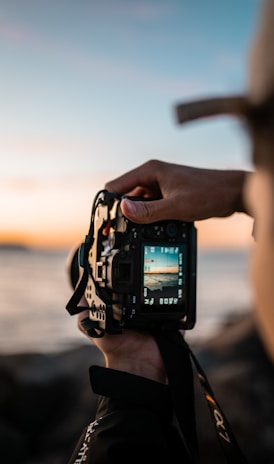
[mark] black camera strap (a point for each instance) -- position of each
(177, 353)
(175, 356)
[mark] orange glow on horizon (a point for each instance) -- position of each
(13, 238)
(58, 240)
(233, 232)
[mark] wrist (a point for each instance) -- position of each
(143, 368)
(240, 179)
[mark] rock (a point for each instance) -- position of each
(46, 400)
(242, 378)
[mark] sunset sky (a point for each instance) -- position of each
(88, 90)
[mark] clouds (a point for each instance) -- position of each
(13, 33)
(49, 154)
(139, 11)
(53, 210)
(87, 92)
(18, 186)
(109, 44)
(56, 212)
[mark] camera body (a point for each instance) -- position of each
(139, 276)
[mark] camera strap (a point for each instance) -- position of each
(176, 354)
(72, 305)
(181, 384)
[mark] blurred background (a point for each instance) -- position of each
(88, 90)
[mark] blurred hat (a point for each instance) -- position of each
(260, 85)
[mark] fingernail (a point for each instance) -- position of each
(130, 207)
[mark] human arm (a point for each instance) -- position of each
(134, 417)
(135, 409)
(183, 192)
(133, 423)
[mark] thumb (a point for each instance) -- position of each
(141, 212)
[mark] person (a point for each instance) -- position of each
(134, 420)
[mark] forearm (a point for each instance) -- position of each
(237, 183)
(182, 192)
(133, 420)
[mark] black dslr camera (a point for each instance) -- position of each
(134, 276)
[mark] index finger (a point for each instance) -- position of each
(143, 176)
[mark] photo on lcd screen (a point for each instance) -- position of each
(163, 275)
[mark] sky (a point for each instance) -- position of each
(87, 92)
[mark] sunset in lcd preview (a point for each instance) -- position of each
(90, 93)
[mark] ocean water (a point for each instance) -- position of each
(35, 288)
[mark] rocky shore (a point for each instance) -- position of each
(46, 400)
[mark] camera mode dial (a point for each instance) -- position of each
(171, 229)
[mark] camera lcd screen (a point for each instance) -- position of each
(163, 275)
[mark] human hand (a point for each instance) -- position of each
(181, 192)
(133, 352)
